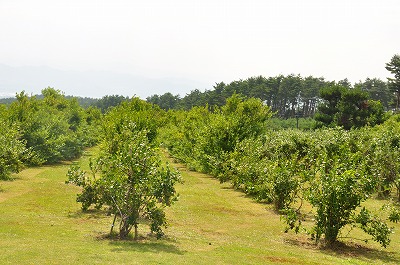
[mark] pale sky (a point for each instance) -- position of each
(96, 48)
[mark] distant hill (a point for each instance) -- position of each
(7, 101)
(93, 84)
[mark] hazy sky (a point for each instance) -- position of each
(186, 44)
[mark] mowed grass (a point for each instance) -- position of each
(41, 223)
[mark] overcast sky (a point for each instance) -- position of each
(100, 47)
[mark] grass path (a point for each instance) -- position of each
(40, 223)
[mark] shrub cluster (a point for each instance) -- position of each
(128, 176)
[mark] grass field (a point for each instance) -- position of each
(40, 223)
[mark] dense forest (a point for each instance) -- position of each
(350, 155)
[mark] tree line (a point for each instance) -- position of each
(288, 96)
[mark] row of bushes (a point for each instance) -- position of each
(41, 131)
(335, 170)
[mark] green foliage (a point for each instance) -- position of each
(289, 97)
(264, 168)
(384, 149)
(290, 123)
(206, 138)
(108, 102)
(128, 176)
(394, 83)
(378, 90)
(284, 94)
(334, 170)
(336, 194)
(182, 134)
(166, 101)
(349, 108)
(136, 113)
(53, 128)
(394, 215)
(135, 186)
(293, 220)
(90, 187)
(327, 111)
(373, 226)
(340, 176)
(12, 149)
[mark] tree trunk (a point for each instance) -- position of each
(124, 228)
(331, 232)
(113, 223)
(398, 100)
(136, 232)
(398, 191)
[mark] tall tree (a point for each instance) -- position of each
(378, 90)
(311, 88)
(394, 83)
(329, 108)
(348, 108)
(106, 102)
(345, 82)
(166, 101)
(194, 98)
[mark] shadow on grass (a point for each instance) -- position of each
(10, 178)
(89, 214)
(143, 244)
(153, 246)
(348, 250)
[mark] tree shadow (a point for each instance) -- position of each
(348, 249)
(10, 178)
(145, 245)
(88, 214)
(241, 193)
(355, 250)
